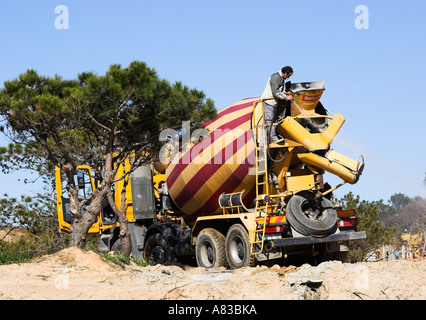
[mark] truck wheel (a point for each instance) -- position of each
(156, 249)
(238, 247)
(310, 216)
(117, 245)
(210, 249)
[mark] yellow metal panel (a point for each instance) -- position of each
(306, 102)
(248, 219)
(297, 183)
(63, 226)
(118, 187)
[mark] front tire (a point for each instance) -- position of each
(156, 250)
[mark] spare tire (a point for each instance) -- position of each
(310, 216)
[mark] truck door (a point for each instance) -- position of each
(86, 185)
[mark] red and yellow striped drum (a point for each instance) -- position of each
(220, 163)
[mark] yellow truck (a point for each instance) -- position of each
(234, 199)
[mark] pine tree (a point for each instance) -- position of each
(94, 120)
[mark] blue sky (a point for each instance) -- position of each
(375, 77)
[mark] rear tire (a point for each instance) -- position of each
(210, 249)
(309, 216)
(238, 247)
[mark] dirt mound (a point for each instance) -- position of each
(77, 274)
(78, 259)
(332, 280)
(12, 234)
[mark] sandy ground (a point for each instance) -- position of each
(11, 234)
(74, 274)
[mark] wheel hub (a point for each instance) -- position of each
(312, 211)
(237, 249)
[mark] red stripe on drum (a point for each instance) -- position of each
(229, 186)
(229, 110)
(207, 171)
(216, 134)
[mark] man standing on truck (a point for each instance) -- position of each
(275, 88)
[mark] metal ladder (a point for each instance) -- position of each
(262, 185)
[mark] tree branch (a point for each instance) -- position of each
(98, 123)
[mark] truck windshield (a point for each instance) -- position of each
(84, 183)
(82, 180)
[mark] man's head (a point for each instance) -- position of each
(286, 72)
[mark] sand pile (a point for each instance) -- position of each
(77, 274)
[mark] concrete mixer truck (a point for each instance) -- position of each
(233, 199)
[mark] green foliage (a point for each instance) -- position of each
(395, 203)
(404, 213)
(143, 262)
(122, 260)
(367, 214)
(399, 200)
(29, 246)
(35, 214)
(115, 257)
(36, 218)
(16, 252)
